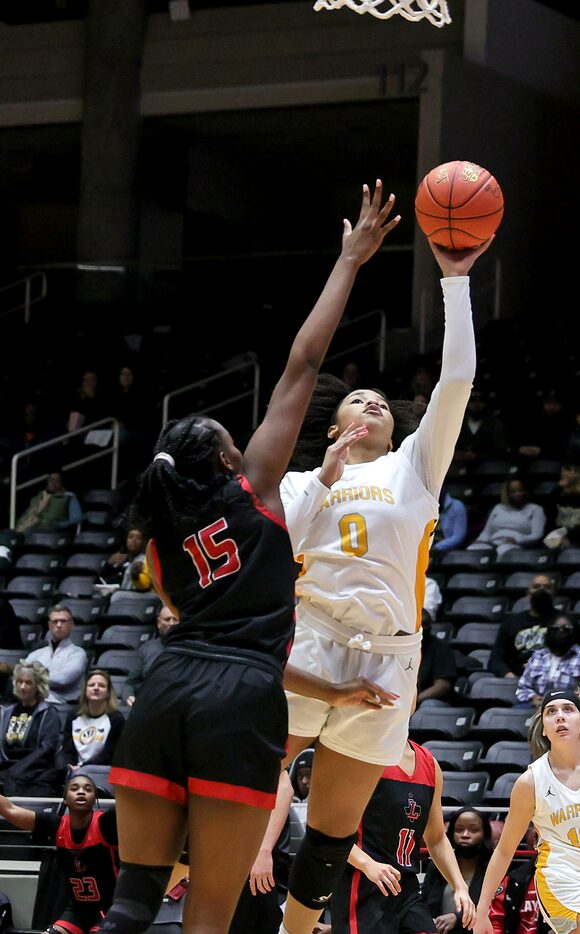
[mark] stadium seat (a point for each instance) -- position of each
(93, 540)
(501, 723)
(84, 610)
(11, 656)
(543, 469)
(465, 560)
(571, 585)
(478, 608)
(465, 583)
(108, 500)
(77, 586)
(29, 634)
(47, 541)
(86, 563)
(464, 788)
(441, 723)
(127, 605)
(481, 655)
(97, 519)
(516, 584)
(120, 661)
(569, 557)
(297, 816)
(505, 756)
(562, 604)
(497, 689)
(475, 635)
(526, 559)
(85, 634)
(42, 563)
(442, 631)
(456, 754)
(30, 609)
(29, 585)
(494, 469)
(130, 636)
(501, 790)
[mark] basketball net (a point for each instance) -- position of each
(436, 11)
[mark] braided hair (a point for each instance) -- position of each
(322, 412)
(168, 491)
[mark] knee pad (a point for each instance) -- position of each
(138, 896)
(317, 866)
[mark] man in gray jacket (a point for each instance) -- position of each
(65, 661)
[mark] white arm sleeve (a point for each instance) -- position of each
(302, 495)
(430, 449)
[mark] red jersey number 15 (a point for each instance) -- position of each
(212, 558)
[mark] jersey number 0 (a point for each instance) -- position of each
(205, 551)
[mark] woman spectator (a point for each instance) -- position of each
(563, 509)
(514, 522)
(29, 735)
(91, 733)
(128, 567)
(469, 832)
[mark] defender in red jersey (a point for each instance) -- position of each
(201, 751)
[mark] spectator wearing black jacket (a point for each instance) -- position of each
(520, 634)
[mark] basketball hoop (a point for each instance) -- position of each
(436, 11)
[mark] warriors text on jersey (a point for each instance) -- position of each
(557, 820)
(235, 554)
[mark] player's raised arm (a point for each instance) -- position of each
(268, 453)
(24, 818)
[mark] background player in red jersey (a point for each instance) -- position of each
(201, 752)
(87, 847)
(404, 809)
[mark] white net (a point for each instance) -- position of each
(436, 11)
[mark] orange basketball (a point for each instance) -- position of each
(459, 205)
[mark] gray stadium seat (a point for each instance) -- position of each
(464, 788)
(456, 754)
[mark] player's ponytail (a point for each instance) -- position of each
(185, 468)
(538, 743)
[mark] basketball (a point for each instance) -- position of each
(459, 205)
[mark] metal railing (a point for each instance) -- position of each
(380, 338)
(113, 450)
(249, 363)
(29, 297)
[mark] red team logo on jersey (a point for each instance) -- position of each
(413, 810)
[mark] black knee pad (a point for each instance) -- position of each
(317, 866)
(138, 896)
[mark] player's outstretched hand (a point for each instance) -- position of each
(464, 904)
(361, 693)
(457, 262)
(385, 877)
(337, 454)
(372, 226)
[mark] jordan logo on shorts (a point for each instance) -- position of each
(410, 666)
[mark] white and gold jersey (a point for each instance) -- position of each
(364, 543)
(557, 821)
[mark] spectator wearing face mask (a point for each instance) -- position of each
(556, 666)
(520, 634)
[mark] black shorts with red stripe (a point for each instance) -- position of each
(359, 907)
(80, 919)
(206, 722)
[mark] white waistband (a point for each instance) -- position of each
(357, 639)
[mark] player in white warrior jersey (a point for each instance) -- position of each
(362, 524)
(548, 793)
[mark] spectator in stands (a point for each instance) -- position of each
(556, 666)
(563, 509)
(514, 522)
(90, 734)
(88, 403)
(149, 651)
(420, 385)
(451, 528)
(128, 567)
(520, 634)
(483, 435)
(65, 661)
(87, 846)
(438, 669)
(9, 627)
(300, 774)
(29, 735)
(469, 832)
(546, 433)
(130, 404)
(432, 600)
(352, 374)
(53, 508)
